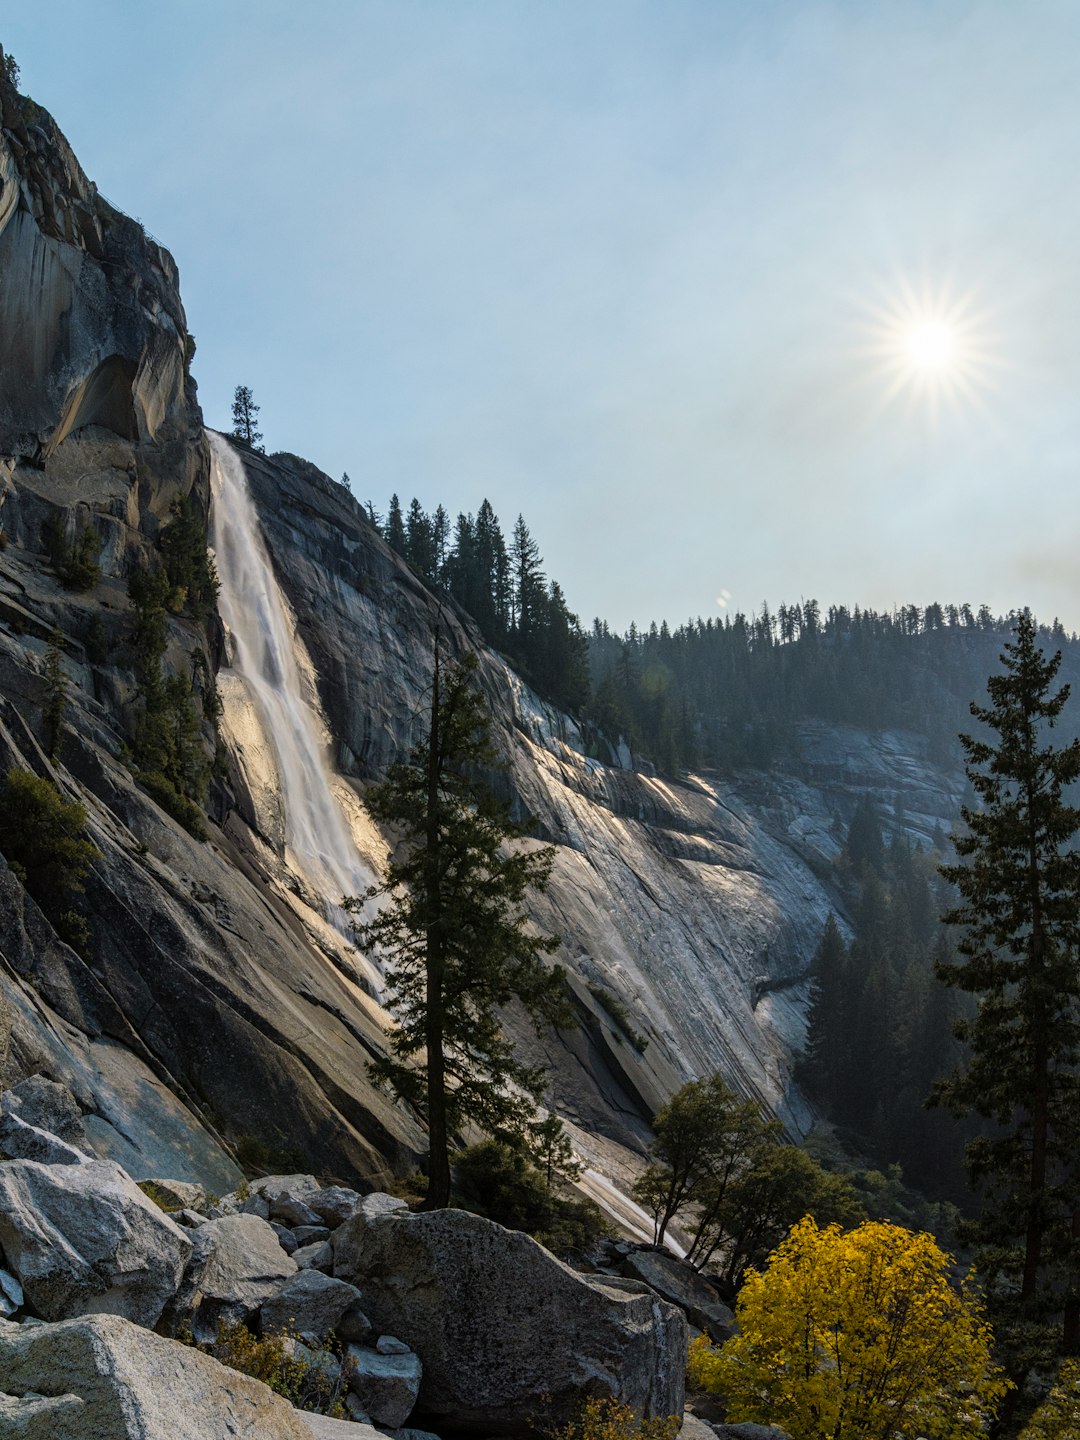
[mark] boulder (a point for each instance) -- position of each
(236, 1266)
(310, 1303)
(748, 1431)
(680, 1284)
(385, 1385)
(273, 1186)
(323, 1428)
(319, 1256)
(174, 1194)
(509, 1336)
(286, 1239)
(19, 1140)
(190, 1219)
(107, 1379)
(11, 1295)
(348, 1239)
(39, 1417)
(310, 1234)
(49, 1106)
(391, 1345)
(291, 1209)
(354, 1325)
(83, 1239)
(334, 1204)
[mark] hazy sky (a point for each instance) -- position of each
(617, 265)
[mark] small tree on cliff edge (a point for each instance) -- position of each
(455, 934)
(1019, 884)
(245, 413)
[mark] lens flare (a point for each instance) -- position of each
(930, 345)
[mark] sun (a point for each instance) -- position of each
(931, 345)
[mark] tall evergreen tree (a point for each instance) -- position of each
(395, 527)
(1018, 879)
(455, 934)
(245, 414)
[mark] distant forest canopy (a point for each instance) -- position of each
(721, 692)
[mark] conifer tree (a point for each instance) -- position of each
(455, 934)
(395, 527)
(245, 414)
(1019, 885)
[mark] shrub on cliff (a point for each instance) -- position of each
(41, 836)
(856, 1336)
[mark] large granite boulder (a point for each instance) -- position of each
(236, 1265)
(310, 1303)
(680, 1284)
(509, 1337)
(83, 1239)
(101, 1378)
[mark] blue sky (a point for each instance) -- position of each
(617, 265)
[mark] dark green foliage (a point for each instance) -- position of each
(41, 836)
(188, 563)
(75, 563)
(501, 1182)
(880, 1026)
(245, 414)
(11, 69)
(170, 758)
(455, 934)
(96, 641)
(56, 696)
(504, 590)
(730, 692)
(1018, 878)
(621, 1015)
(723, 1174)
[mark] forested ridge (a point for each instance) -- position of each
(718, 692)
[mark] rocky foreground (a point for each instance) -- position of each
(446, 1315)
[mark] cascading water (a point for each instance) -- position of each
(264, 644)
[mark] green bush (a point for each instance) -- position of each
(42, 840)
(188, 563)
(76, 565)
(315, 1384)
(501, 1182)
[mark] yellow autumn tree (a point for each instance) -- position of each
(856, 1336)
(1058, 1417)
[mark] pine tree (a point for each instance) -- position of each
(1019, 886)
(454, 932)
(245, 413)
(395, 527)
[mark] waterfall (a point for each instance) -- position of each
(265, 647)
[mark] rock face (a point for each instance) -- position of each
(105, 1379)
(83, 1239)
(509, 1336)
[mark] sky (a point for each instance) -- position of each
(649, 273)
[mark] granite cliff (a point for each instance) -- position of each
(216, 1004)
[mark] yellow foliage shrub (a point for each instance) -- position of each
(609, 1419)
(1058, 1417)
(856, 1336)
